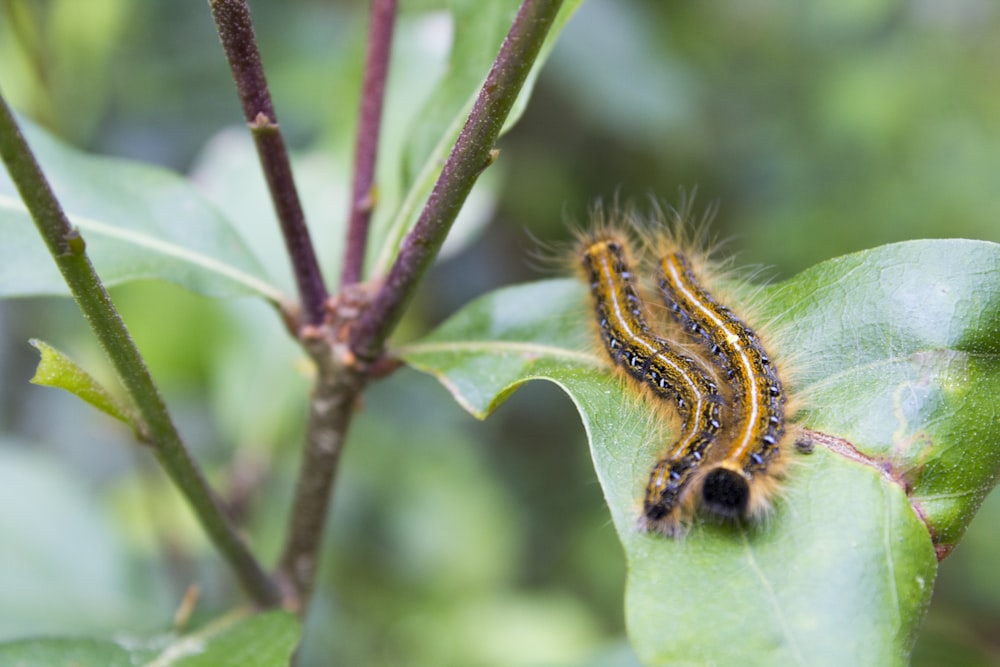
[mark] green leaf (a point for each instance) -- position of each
(72, 652)
(898, 350)
(55, 369)
(917, 333)
(261, 640)
(138, 222)
(479, 28)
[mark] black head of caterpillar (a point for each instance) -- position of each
(658, 369)
(740, 482)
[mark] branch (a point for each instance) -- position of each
(68, 250)
(331, 407)
(346, 352)
(473, 153)
(232, 19)
(383, 14)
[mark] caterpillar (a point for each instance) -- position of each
(739, 482)
(661, 371)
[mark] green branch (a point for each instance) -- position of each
(69, 252)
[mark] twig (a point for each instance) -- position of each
(68, 250)
(383, 15)
(232, 19)
(473, 152)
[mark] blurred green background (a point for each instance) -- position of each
(820, 129)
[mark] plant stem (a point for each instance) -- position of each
(68, 250)
(363, 197)
(332, 405)
(473, 152)
(345, 350)
(232, 20)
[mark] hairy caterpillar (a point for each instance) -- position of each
(660, 369)
(739, 482)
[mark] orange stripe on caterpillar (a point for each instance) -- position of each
(739, 483)
(659, 370)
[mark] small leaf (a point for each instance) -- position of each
(138, 221)
(262, 640)
(55, 369)
(898, 348)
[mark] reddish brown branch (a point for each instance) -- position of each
(232, 19)
(363, 197)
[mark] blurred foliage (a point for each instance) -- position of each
(57, 57)
(822, 128)
(240, 639)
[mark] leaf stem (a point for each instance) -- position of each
(233, 22)
(472, 154)
(363, 192)
(68, 250)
